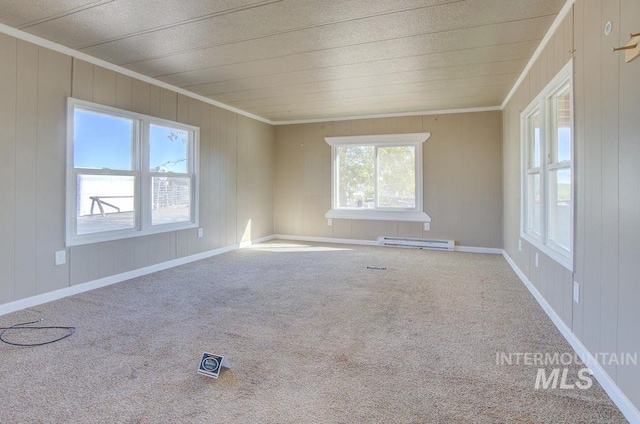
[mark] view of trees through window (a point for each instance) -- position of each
(356, 171)
(376, 177)
(397, 177)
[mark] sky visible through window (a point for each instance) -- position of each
(102, 141)
(564, 144)
(564, 149)
(105, 142)
(168, 149)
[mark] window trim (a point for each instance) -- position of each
(140, 158)
(416, 214)
(530, 166)
(541, 103)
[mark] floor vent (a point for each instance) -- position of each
(416, 243)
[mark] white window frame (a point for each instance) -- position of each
(379, 140)
(548, 163)
(531, 168)
(140, 171)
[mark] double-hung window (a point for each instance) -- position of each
(377, 177)
(533, 176)
(547, 169)
(128, 174)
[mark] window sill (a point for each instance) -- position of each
(378, 215)
(127, 234)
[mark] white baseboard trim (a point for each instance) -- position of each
(113, 279)
(249, 243)
(471, 249)
(618, 397)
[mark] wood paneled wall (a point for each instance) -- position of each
(551, 279)
(236, 172)
(607, 192)
(462, 179)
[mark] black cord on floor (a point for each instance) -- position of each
(20, 327)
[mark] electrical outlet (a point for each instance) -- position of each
(520, 245)
(329, 222)
(536, 259)
(427, 226)
(61, 257)
(200, 232)
(576, 292)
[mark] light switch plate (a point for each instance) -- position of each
(427, 226)
(200, 232)
(329, 221)
(536, 259)
(576, 292)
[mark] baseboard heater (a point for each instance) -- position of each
(416, 243)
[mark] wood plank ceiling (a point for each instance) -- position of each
(305, 59)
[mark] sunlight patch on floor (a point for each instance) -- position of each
(292, 248)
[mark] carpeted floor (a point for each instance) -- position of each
(312, 336)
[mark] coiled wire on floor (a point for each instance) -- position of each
(21, 326)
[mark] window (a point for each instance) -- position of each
(533, 172)
(127, 174)
(547, 179)
(377, 177)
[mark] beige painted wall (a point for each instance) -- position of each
(607, 228)
(550, 278)
(236, 172)
(462, 179)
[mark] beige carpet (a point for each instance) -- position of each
(312, 335)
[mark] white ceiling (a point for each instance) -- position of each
(306, 59)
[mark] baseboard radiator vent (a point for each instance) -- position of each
(416, 243)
